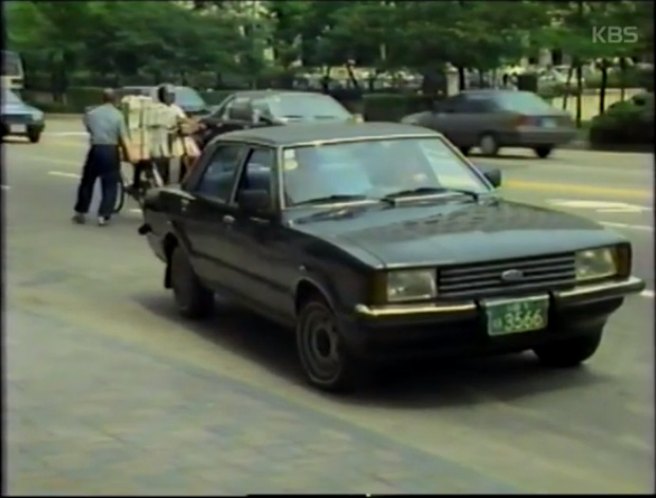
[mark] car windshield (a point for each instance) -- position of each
(10, 97)
(188, 97)
(306, 106)
(525, 102)
(373, 169)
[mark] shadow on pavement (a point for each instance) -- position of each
(425, 384)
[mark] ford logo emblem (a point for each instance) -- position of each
(512, 275)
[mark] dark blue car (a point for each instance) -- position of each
(19, 118)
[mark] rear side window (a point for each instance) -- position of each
(219, 175)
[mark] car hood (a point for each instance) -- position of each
(10, 108)
(454, 232)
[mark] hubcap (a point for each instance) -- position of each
(321, 345)
(488, 144)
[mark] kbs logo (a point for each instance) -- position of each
(614, 34)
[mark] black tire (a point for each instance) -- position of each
(488, 144)
(193, 299)
(465, 150)
(317, 338)
(543, 151)
(120, 197)
(33, 135)
(571, 352)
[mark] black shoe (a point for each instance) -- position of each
(79, 218)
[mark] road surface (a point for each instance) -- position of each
(109, 391)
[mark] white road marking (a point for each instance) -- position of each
(600, 206)
(64, 174)
(66, 133)
(647, 293)
(645, 228)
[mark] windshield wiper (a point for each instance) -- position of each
(333, 198)
(428, 191)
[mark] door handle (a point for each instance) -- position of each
(228, 219)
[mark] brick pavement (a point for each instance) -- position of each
(89, 414)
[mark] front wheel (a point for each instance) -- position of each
(325, 360)
(543, 151)
(33, 135)
(194, 300)
(570, 352)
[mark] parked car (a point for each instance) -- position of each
(378, 241)
(259, 108)
(19, 118)
(186, 97)
(491, 119)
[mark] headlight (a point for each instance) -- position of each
(37, 115)
(411, 285)
(596, 263)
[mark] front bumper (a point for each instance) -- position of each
(459, 329)
(25, 122)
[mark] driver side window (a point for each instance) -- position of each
(258, 171)
(218, 177)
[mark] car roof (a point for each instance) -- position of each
(270, 93)
(307, 133)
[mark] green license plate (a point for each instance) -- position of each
(512, 316)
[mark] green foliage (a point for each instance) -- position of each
(629, 123)
(392, 107)
(154, 41)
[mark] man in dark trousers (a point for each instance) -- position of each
(107, 132)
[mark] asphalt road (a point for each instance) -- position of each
(109, 391)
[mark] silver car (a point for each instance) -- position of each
(490, 119)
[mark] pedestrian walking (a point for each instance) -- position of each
(107, 134)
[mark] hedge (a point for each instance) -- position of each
(374, 107)
(625, 123)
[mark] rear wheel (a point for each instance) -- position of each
(324, 357)
(120, 196)
(33, 135)
(544, 151)
(571, 352)
(194, 300)
(488, 144)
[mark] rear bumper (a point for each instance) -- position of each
(532, 137)
(459, 329)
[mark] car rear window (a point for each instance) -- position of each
(306, 106)
(188, 97)
(524, 102)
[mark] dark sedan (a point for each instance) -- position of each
(257, 108)
(491, 119)
(189, 100)
(378, 241)
(19, 118)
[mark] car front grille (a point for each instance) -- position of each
(485, 279)
(18, 118)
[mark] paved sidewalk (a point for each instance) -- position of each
(167, 428)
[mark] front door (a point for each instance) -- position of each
(257, 250)
(206, 213)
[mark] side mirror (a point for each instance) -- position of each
(254, 201)
(493, 175)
